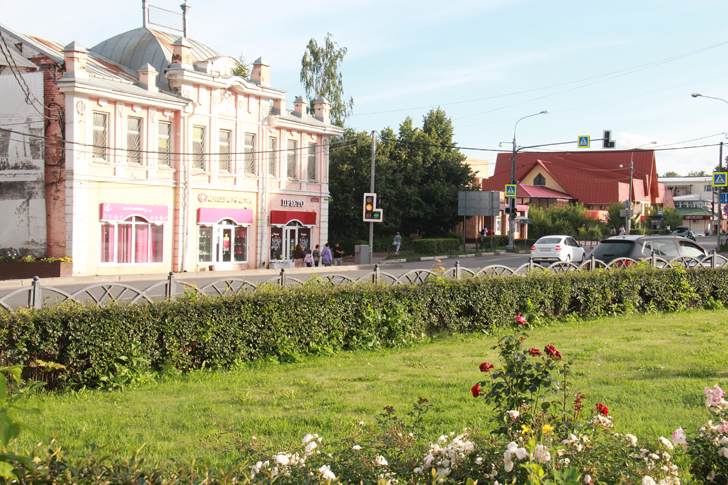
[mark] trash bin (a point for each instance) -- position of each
(361, 254)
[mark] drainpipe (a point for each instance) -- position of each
(185, 18)
(145, 12)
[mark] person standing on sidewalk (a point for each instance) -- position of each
(316, 256)
(298, 255)
(397, 243)
(338, 255)
(326, 256)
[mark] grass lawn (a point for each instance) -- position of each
(649, 370)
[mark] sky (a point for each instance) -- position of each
(624, 65)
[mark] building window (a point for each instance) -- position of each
(198, 147)
(36, 143)
(291, 156)
(4, 148)
(224, 150)
(224, 242)
(249, 150)
(707, 188)
(312, 172)
(133, 241)
(540, 180)
(164, 142)
(100, 136)
(272, 142)
(133, 140)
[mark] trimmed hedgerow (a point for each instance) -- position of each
(99, 344)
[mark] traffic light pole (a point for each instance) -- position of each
(371, 189)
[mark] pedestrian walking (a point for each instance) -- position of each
(397, 243)
(622, 232)
(298, 255)
(338, 255)
(326, 256)
(308, 260)
(316, 256)
(613, 232)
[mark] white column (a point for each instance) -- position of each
(79, 125)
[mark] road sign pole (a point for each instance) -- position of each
(720, 213)
(371, 189)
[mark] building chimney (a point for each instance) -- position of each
(185, 18)
(322, 108)
(145, 12)
(261, 72)
(182, 53)
(300, 106)
(75, 57)
(148, 77)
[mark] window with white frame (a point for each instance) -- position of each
(224, 150)
(164, 142)
(36, 143)
(291, 159)
(198, 147)
(272, 145)
(249, 150)
(132, 241)
(100, 128)
(133, 140)
(312, 167)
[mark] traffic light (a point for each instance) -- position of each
(607, 140)
(371, 211)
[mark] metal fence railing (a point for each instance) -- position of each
(38, 295)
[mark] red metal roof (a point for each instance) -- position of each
(596, 177)
(537, 192)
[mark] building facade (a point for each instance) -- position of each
(171, 162)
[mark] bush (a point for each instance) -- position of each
(115, 345)
(435, 245)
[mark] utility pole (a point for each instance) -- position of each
(720, 213)
(631, 205)
(371, 189)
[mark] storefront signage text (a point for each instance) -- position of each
(230, 199)
(292, 203)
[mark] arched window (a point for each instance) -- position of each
(132, 241)
(539, 180)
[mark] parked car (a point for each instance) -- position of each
(557, 248)
(642, 247)
(683, 231)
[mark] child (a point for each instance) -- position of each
(308, 259)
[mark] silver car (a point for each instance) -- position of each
(557, 248)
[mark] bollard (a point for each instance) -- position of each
(591, 263)
(653, 259)
(171, 288)
(375, 274)
(283, 277)
(457, 269)
(36, 294)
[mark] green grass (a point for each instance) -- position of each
(648, 369)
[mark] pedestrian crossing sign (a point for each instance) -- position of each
(510, 190)
(584, 141)
(720, 179)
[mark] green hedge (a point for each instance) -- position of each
(98, 344)
(435, 245)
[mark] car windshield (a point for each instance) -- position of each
(549, 240)
(618, 249)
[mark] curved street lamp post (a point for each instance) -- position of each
(512, 202)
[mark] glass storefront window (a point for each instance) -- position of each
(133, 241)
(276, 243)
(224, 242)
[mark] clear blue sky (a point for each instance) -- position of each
(628, 66)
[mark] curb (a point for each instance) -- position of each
(452, 256)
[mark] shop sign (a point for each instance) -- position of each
(228, 199)
(292, 203)
(695, 218)
(119, 212)
(316, 199)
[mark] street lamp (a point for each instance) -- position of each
(720, 166)
(512, 202)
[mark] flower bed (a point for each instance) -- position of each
(16, 270)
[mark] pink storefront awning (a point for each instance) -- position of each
(213, 216)
(119, 212)
(284, 217)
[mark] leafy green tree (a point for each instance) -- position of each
(671, 173)
(419, 173)
(573, 220)
(614, 220)
(242, 68)
(697, 173)
(672, 217)
(321, 76)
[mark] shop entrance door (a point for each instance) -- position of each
(224, 246)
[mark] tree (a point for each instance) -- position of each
(572, 220)
(697, 173)
(242, 68)
(321, 76)
(419, 173)
(671, 173)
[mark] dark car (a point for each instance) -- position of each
(684, 232)
(642, 247)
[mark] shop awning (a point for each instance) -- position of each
(213, 216)
(119, 212)
(284, 217)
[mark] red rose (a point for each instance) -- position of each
(551, 350)
(485, 367)
(521, 320)
(602, 409)
(534, 352)
(475, 390)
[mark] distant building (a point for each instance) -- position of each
(157, 157)
(595, 179)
